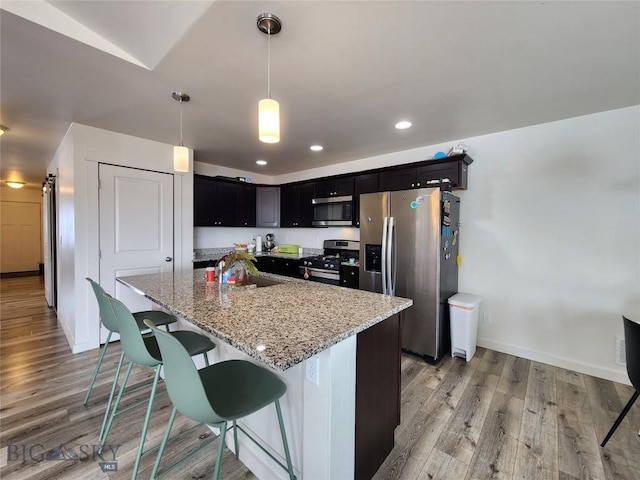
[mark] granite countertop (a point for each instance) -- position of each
(279, 325)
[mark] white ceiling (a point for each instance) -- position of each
(344, 72)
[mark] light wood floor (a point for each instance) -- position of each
(497, 416)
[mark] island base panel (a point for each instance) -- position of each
(377, 395)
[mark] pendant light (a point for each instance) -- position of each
(268, 108)
(180, 152)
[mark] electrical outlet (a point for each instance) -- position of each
(620, 356)
(486, 318)
(313, 370)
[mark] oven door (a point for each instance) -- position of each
(334, 211)
(320, 275)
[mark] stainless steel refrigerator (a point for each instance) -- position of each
(408, 248)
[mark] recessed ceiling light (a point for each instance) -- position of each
(261, 162)
(3, 129)
(403, 125)
(316, 148)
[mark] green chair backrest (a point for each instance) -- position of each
(130, 336)
(182, 379)
(106, 312)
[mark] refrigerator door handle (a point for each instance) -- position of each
(389, 257)
(385, 228)
(392, 256)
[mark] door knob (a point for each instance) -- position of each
(168, 259)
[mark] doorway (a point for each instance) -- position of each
(136, 229)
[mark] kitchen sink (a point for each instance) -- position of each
(262, 281)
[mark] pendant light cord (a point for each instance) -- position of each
(181, 144)
(269, 64)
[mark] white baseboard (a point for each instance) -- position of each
(83, 347)
(71, 340)
(581, 367)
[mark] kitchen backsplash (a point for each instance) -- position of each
(220, 237)
(200, 254)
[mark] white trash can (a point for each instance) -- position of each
(464, 309)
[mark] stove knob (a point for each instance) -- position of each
(326, 265)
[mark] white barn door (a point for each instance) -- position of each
(136, 229)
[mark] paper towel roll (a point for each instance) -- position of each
(258, 243)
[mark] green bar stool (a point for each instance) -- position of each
(143, 350)
(157, 317)
(217, 394)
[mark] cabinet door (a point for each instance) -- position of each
(266, 264)
(226, 205)
(344, 186)
(366, 183)
(305, 207)
(289, 206)
(268, 207)
(434, 174)
(288, 267)
(324, 188)
(204, 194)
(334, 187)
(402, 179)
(247, 206)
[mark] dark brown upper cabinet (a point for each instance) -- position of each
(295, 204)
(222, 203)
(334, 187)
(367, 183)
(246, 216)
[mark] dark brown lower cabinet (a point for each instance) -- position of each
(377, 395)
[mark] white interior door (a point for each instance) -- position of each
(136, 229)
(21, 239)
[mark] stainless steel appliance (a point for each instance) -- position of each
(269, 241)
(332, 211)
(409, 247)
(325, 268)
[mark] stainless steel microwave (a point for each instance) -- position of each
(332, 211)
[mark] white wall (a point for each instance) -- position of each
(550, 235)
(550, 238)
(76, 161)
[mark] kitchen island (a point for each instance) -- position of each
(336, 349)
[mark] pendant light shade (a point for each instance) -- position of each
(180, 158)
(269, 120)
(268, 108)
(180, 152)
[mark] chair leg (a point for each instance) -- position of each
(103, 440)
(284, 441)
(621, 417)
(145, 425)
(223, 433)
(236, 447)
(165, 439)
(95, 372)
(114, 384)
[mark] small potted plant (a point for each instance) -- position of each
(241, 264)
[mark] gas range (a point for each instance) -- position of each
(325, 268)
